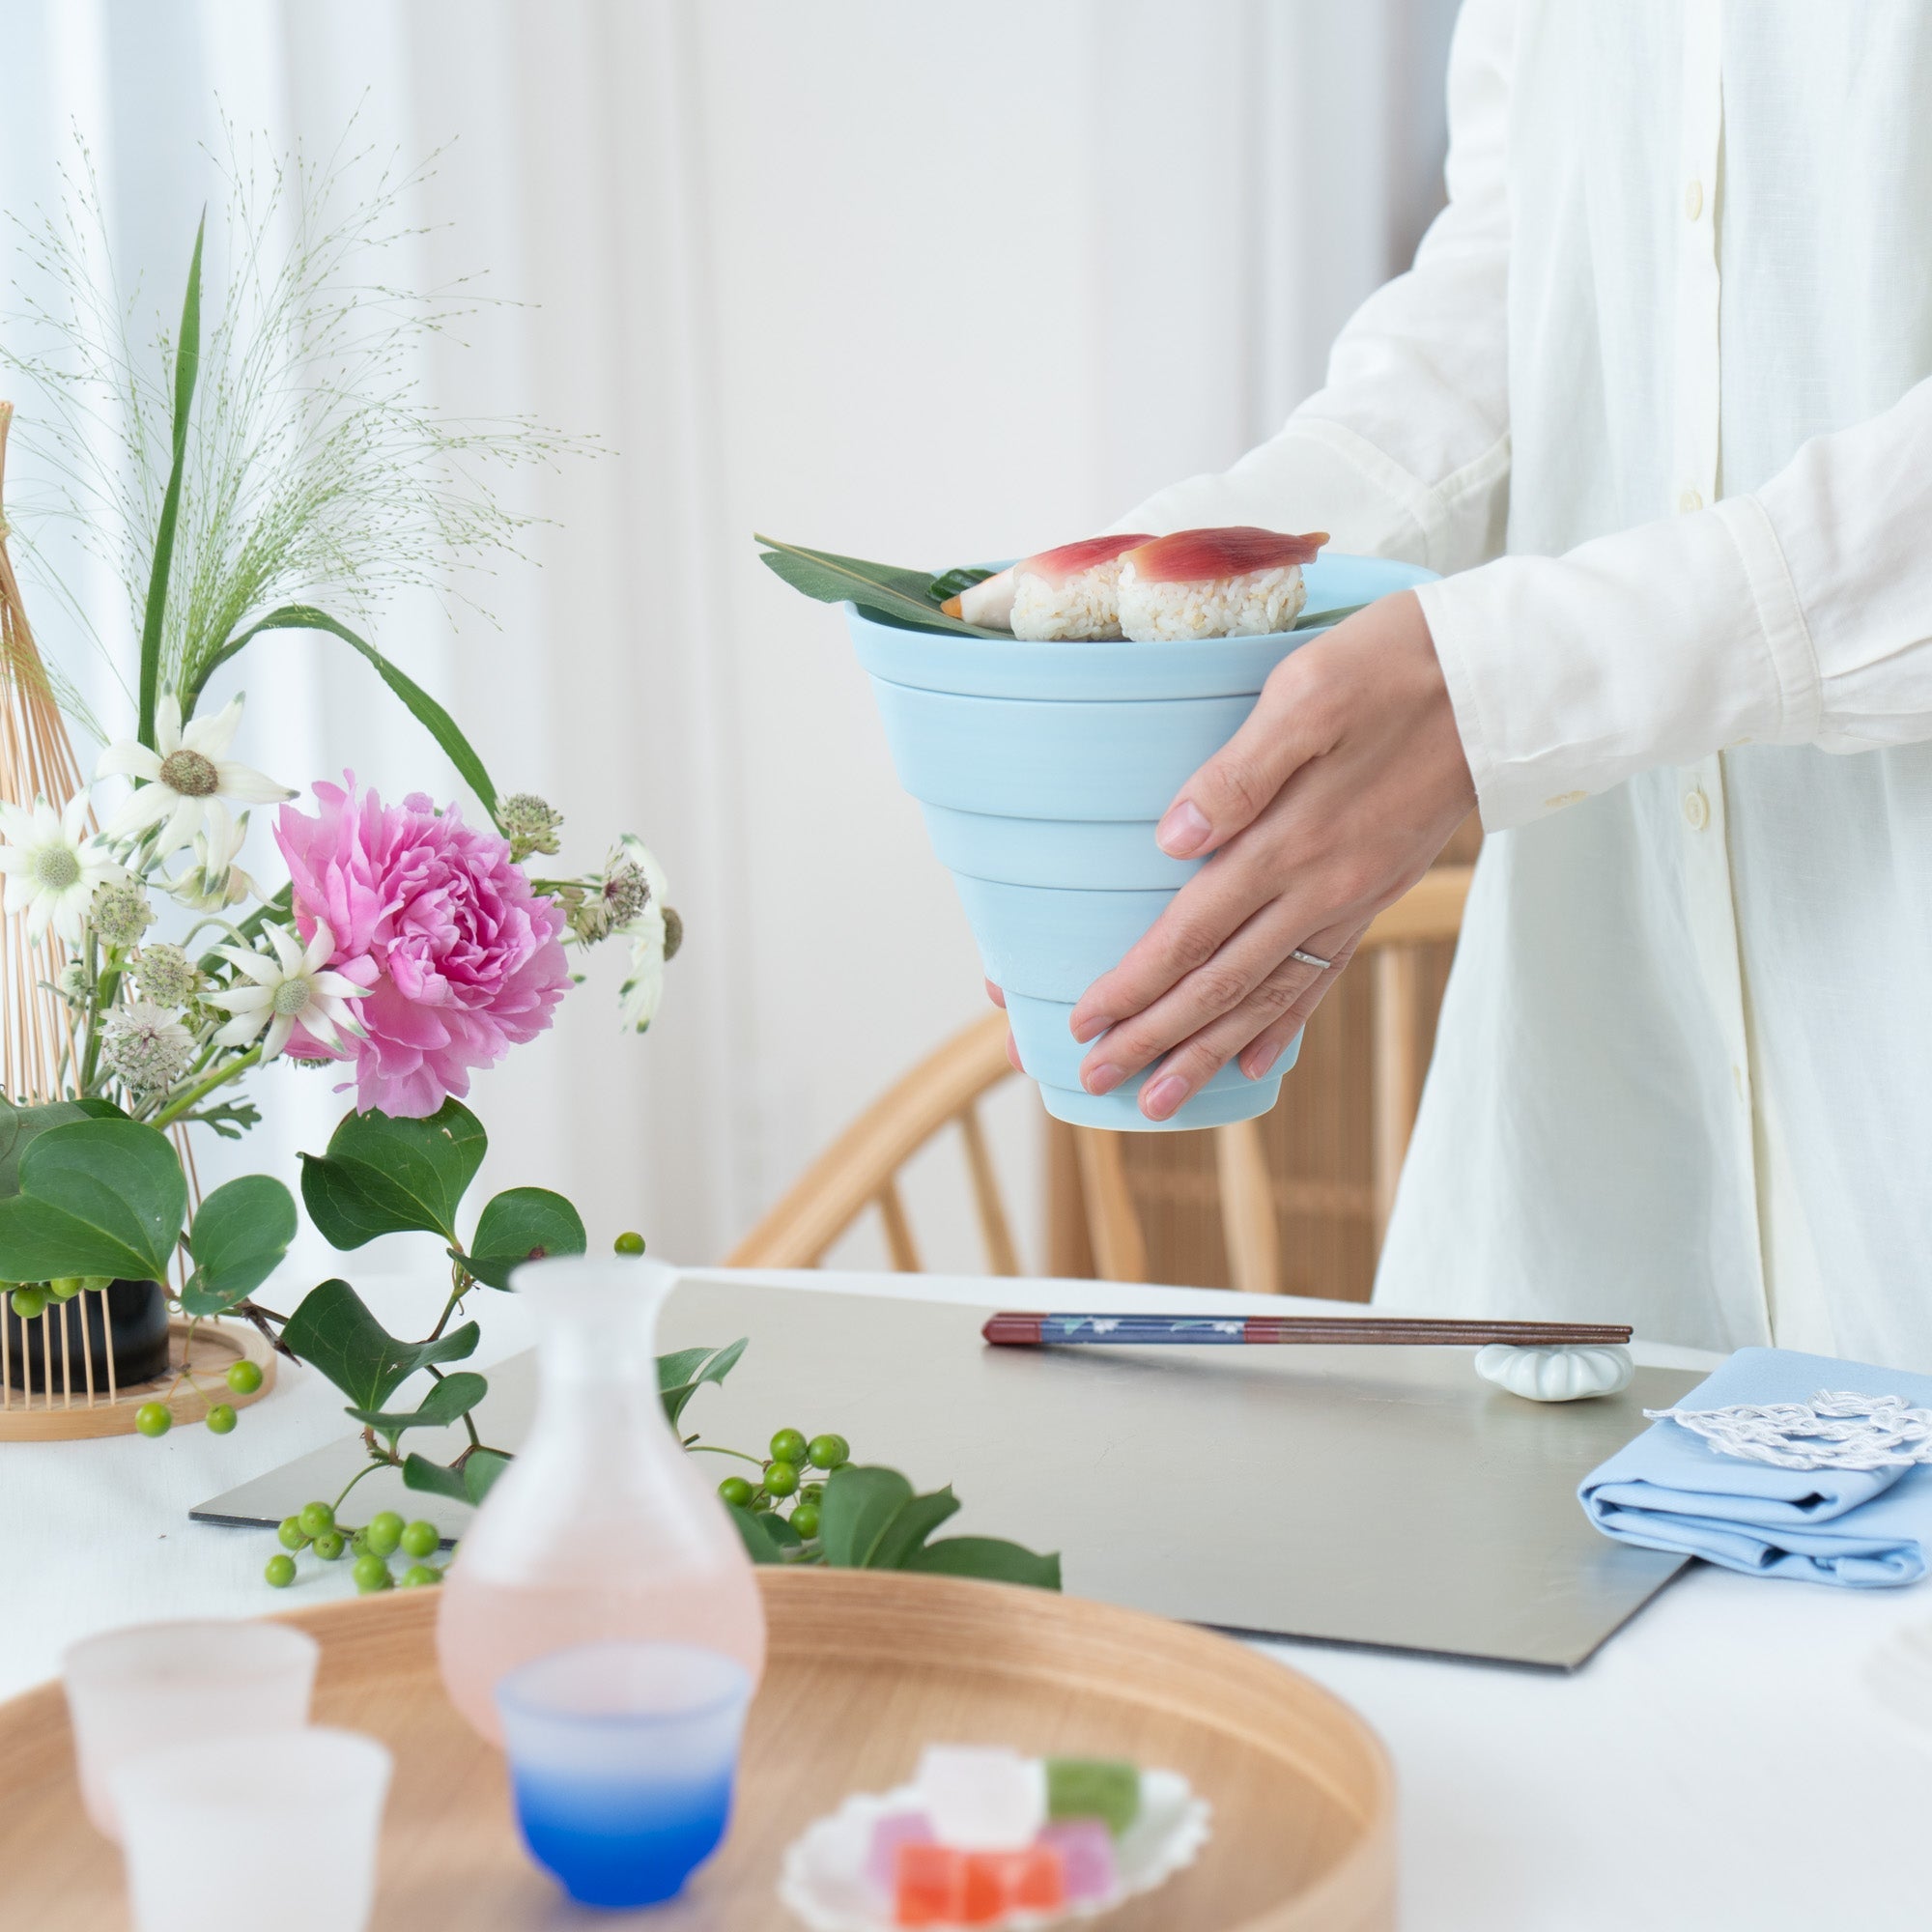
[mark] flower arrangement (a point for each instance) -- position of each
(282, 462)
(284, 465)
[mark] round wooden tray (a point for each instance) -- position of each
(864, 1668)
(64, 1415)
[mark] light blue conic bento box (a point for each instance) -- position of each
(1042, 771)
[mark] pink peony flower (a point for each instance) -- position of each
(461, 958)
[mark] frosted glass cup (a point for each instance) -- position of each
(622, 1757)
(154, 1686)
(248, 1804)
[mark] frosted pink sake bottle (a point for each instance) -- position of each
(604, 1527)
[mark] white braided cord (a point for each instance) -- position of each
(1838, 1429)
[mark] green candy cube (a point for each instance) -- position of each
(1108, 1789)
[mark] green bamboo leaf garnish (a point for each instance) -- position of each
(950, 583)
(882, 590)
(1315, 620)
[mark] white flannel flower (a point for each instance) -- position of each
(213, 879)
(186, 780)
(643, 987)
(52, 870)
(293, 988)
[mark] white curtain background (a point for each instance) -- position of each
(923, 283)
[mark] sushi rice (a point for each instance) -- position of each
(1233, 581)
(1073, 592)
(1253, 604)
(1084, 606)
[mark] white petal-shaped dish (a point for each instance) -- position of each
(1556, 1375)
(823, 1878)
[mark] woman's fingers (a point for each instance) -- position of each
(1259, 1056)
(1286, 728)
(1356, 732)
(1214, 905)
(1263, 1025)
(1255, 958)
(997, 994)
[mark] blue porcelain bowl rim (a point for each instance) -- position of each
(1117, 668)
(514, 1696)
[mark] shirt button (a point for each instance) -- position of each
(1694, 200)
(1691, 498)
(1697, 808)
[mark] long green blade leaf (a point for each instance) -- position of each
(426, 711)
(187, 362)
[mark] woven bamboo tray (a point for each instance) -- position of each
(70, 1412)
(864, 1668)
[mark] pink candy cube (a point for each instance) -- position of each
(1088, 1868)
(889, 1833)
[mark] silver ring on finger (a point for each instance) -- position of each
(1314, 959)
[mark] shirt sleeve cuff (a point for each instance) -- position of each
(1655, 647)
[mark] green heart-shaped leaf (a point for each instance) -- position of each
(987, 1557)
(523, 1224)
(448, 1401)
(333, 1330)
(436, 1479)
(859, 1505)
(767, 1537)
(239, 1235)
(682, 1375)
(19, 1126)
(468, 1481)
(95, 1197)
(388, 1177)
(906, 1533)
(480, 1469)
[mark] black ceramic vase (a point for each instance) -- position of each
(129, 1318)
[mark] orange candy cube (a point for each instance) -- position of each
(937, 1884)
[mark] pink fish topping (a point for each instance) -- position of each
(1198, 556)
(1055, 566)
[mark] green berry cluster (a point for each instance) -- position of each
(31, 1300)
(314, 1527)
(786, 1479)
(155, 1418)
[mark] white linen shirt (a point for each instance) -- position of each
(1669, 348)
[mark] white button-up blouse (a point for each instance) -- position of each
(1667, 359)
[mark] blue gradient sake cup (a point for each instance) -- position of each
(1042, 771)
(622, 1761)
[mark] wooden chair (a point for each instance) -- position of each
(859, 1170)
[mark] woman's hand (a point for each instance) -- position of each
(1327, 805)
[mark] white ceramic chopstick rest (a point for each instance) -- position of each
(1556, 1375)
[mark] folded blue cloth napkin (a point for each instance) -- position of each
(1669, 1489)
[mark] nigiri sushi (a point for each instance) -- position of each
(1233, 582)
(1064, 593)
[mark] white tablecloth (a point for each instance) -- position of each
(1720, 1764)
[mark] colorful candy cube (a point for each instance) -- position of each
(937, 1884)
(889, 1833)
(1034, 1880)
(982, 1797)
(1093, 1787)
(1088, 1868)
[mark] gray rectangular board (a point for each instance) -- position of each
(1384, 1497)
